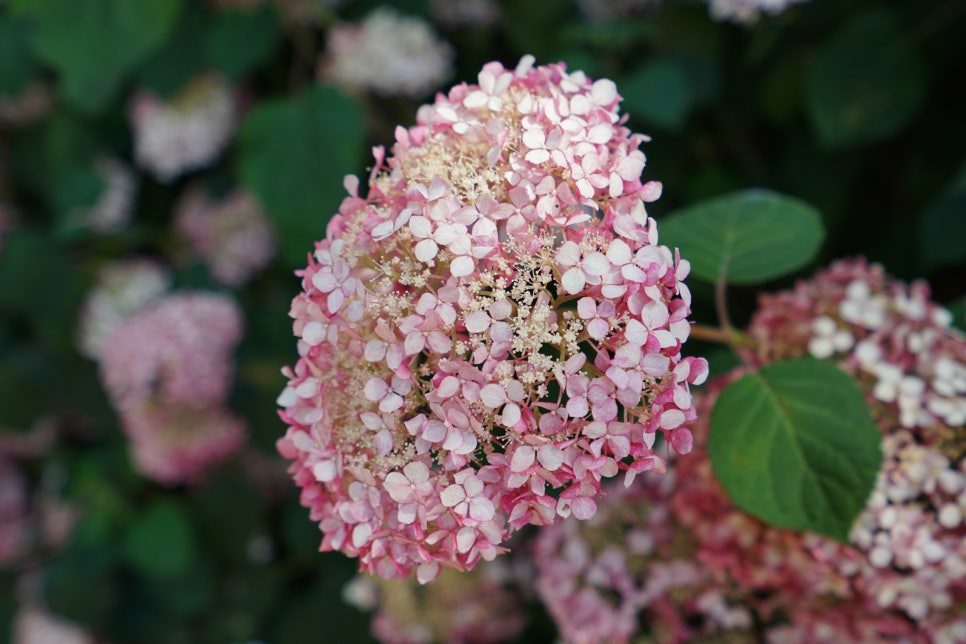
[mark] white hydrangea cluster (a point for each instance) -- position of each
(187, 132)
(122, 289)
(747, 12)
(387, 53)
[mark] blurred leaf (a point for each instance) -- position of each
(795, 445)
(237, 41)
(93, 43)
(958, 308)
(864, 84)
(79, 584)
(48, 154)
(181, 57)
(160, 542)
(26, 392)
(17, 68)
(295, 153)
(659, 93)
(942, 229)
(745, 237)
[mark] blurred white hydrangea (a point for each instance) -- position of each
(122, 289)
(747, 11)
(36, 625)
(188, 131)
(387, 53)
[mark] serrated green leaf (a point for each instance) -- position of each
(863, 85)
(93, 43)
(160, 542)
(795, 445)
(745, 237)
(295, 153)
(659, 93)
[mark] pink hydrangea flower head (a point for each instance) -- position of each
(176, 444)
(629, 570)
(121, 289)
(234, 236)
(168, 370)
(478, 606)
(387, 53)
(176, 350)
(692, 565)
(188, 131)
(491, 332)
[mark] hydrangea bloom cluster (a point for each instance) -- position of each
(491, 332)
(187, 132)
(902, 578)
(168, 370)
(14, 524)
(747, 12)
(233, 236)
(387, 53)
(908, 559)
(478, 606)
(122, 288)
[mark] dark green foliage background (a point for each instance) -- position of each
(855, 108)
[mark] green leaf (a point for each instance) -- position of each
(795, 445)
(863, 85)
(240, 40)
(958, 308)
(745, 237)
(94, 43)
(180, 58)
(942, 228)
(295, 153)
(659, 93)
(17, 68)
(80, 585)
(160, 542)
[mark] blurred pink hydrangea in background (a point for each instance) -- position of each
(476, 606)
(234, 236)
(187, 132)
(168, 370)
(491, 332)
(387, 53)
(121, 289)
(903, 578)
